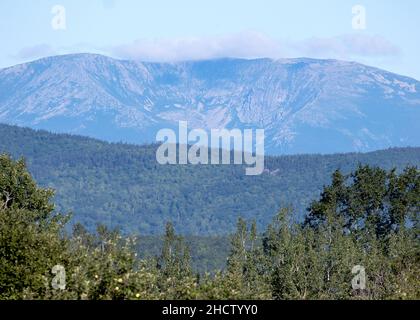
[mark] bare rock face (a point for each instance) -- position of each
(304, 105)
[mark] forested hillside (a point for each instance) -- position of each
(359, 241)
(123, 186)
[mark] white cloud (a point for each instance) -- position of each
(254, 45)
(242, 45)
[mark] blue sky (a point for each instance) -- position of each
(172, 30)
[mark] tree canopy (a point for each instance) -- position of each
(360, 241)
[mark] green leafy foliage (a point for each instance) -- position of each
(368, 218)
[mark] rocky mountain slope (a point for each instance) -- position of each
(304, 105)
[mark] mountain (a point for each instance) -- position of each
(123, 186)
(304, 105)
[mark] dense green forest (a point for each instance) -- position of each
(123, 186)
(360, 240)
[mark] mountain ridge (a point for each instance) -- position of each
(305, 105)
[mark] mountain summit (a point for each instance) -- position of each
(304, 105)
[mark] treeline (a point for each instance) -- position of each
(360, 240)
(124, 187)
